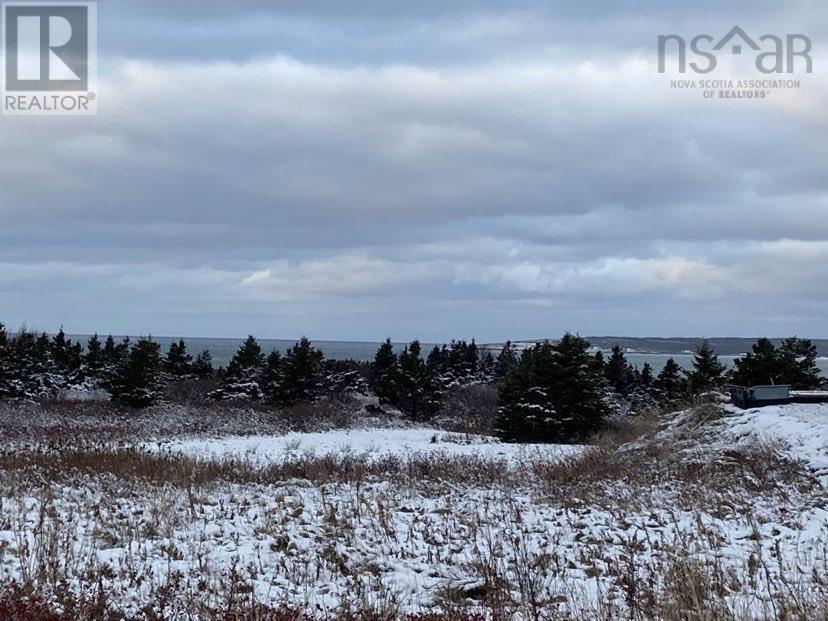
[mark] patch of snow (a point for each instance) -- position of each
(372, 443)
(804, 427)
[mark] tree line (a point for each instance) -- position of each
(550, 392)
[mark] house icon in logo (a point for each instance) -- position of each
(737, 49)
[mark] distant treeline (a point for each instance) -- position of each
(555, 392)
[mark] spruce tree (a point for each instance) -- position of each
(241, 380)
(793, 363)
(642, 393)
(66, 359)
(708, 373)
(345, 377)
(486, 371)
(506, 363)
(301, 372)
(6, 377)
(272, 380)
(137, 382)
(384, 373)
(203, 365)
(799, 364)
(178, 364)
(762, 365)
(114, 355)
(619, 373)
(554, 395)
(646, 378)
(415, 390)
(669, 383)
(94, 363)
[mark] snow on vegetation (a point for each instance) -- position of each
(803, 428)
(712, 513)
(367, 443)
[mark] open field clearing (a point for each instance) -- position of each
(709, 514)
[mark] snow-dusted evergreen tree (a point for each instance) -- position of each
(416, 390)
(241, 381)
(344, 377)
(31, 372)
(203, 365)
(272, 380)
(114, 355)
(66, 359)
(554, 395)
(486, 372)
(669, 384)
(708, 373)
(507, 362)
(302, 373)
(463, 363)
(642, 394)
(793, 363)
(384, 373)
(178, 364)
(799, 364)
(6, 376)
(137, 382)
(93, 364)
(619, 373)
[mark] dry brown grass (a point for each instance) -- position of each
(632, 468)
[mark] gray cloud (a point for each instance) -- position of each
(429, 171)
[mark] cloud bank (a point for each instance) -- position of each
(366, 172)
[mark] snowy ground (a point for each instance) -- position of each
(803, 427)
(367, 443)
(707, 515)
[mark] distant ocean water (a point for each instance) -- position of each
(222, 350)
(685, 361)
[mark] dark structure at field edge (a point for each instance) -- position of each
(759, 396)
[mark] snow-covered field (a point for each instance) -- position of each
(366, 443)
(708, 514)
(804, 428)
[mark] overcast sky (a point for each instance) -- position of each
(357, 170)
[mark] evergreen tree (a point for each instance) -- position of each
(554, 395)
(203, 365)
(793, 363)
(646, 378)
(415, 386)
(241, 380)
(708, 373)
(487, 367)
(6, 375)
(799, 364)
(138, 380)
(762, 365)
(619, 373)
(669, 383)
(114, 355)
(272, 379)
(598, 363)
(178, 364)
(343, 377)
(507, 362)
(66, 359)
(301, 372)
(94, 362)
(384, 373)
